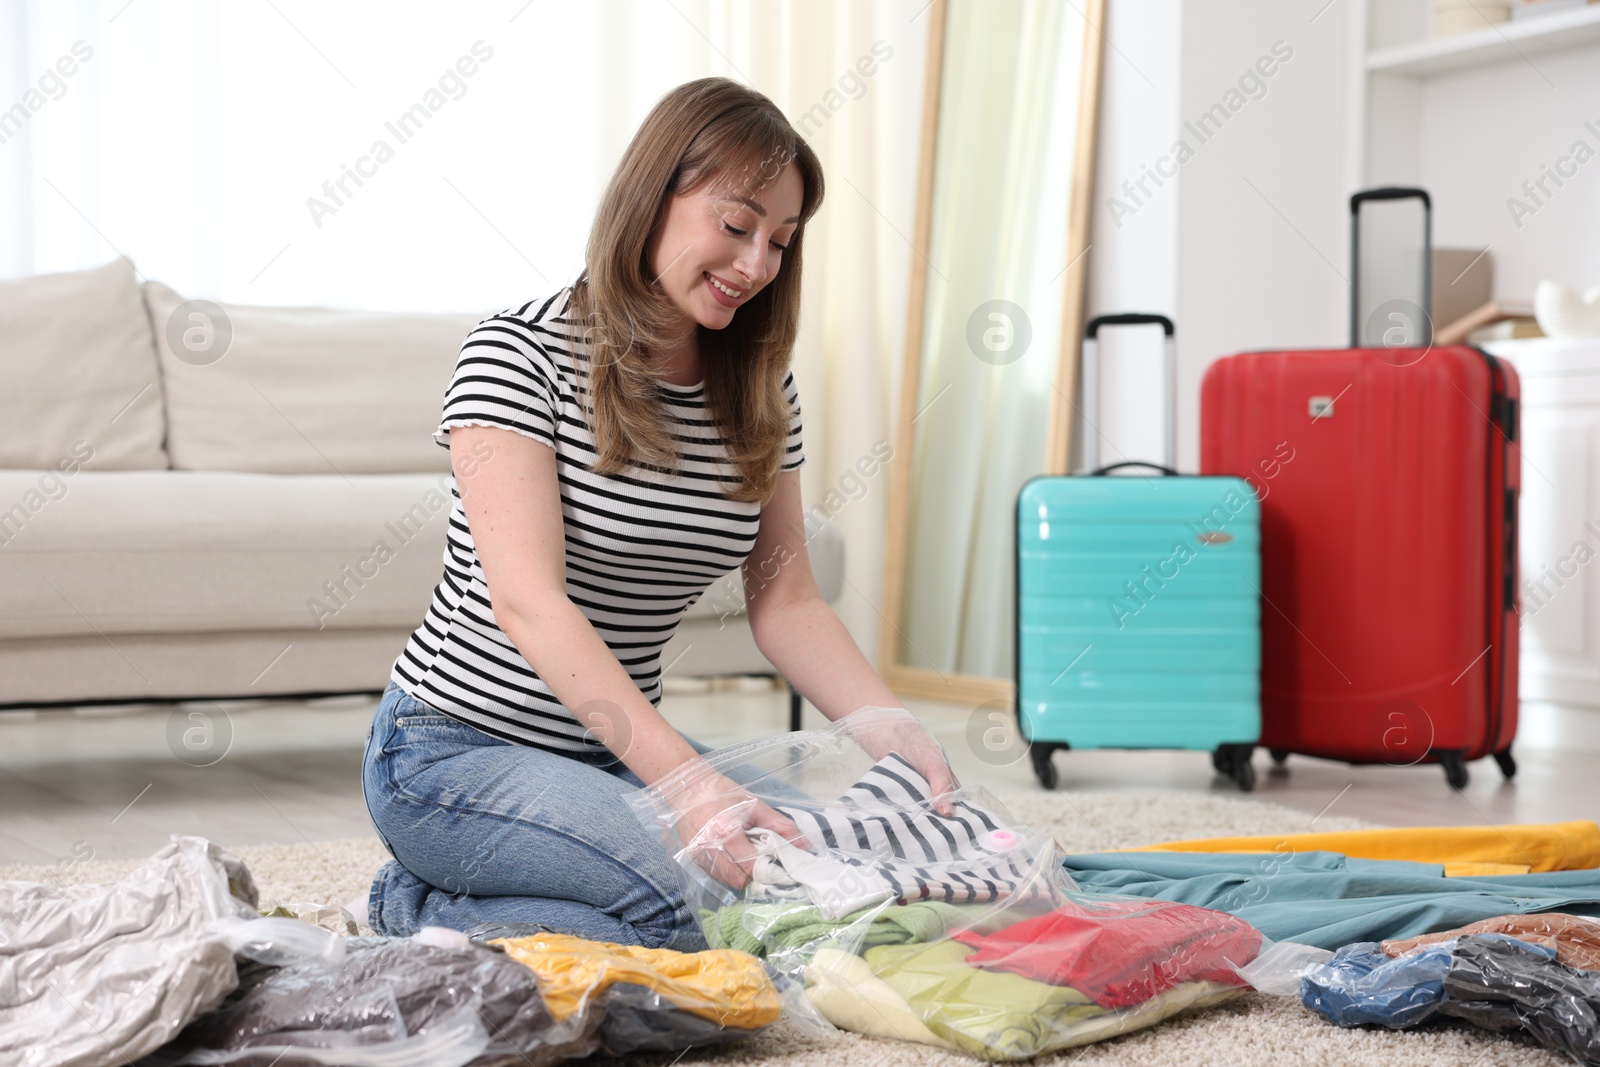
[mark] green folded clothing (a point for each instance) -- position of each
(775, 929)
(988, 1013)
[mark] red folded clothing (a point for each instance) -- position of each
(1120, 953)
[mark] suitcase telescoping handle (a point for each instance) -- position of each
(1391, 192)
(1091, 386)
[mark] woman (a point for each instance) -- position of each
(616, 446)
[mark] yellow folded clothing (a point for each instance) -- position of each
(1532, 848)
(727, 987)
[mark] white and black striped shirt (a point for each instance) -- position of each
(641, 546)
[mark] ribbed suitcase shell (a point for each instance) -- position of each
(1138, 622)
(1389, 560)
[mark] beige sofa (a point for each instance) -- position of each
(203, 501)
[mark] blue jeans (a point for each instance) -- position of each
(485, 830)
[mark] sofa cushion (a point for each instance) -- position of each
(80, 372)
(184, 551)
(303, 390)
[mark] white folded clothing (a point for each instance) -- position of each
(883, 841)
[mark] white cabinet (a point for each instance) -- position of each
(1560, 518)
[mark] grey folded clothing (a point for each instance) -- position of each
(94, 975)
(404, 1001)
(474, 1005)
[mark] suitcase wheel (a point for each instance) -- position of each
(1234, 762)
(1508, 766)
(1279, 756)
(1043, 768)
(1455, 769)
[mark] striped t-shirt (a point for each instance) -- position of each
(641, 546)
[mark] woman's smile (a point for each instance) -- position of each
(726, 294)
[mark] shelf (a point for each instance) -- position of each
(1494, 44)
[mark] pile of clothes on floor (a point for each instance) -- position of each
(934, 919)
(1494, 927)
(886, 910)
(960, 929)
(175, 965)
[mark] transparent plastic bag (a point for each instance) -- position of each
(651, 999)
(329, 917)
(1362, 986)
(1501, 984)
(95, 975)
(389, 1002)
(1575, 938)
(279, 942)
(920, 914)
(607, 983)
(1280, 966)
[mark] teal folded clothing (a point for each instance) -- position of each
(765, 929)
(1329, 900)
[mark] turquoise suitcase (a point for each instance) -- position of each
(1138, 617)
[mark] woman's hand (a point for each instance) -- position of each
(713, 813)
(884, 730)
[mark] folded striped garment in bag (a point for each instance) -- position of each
(883, 841)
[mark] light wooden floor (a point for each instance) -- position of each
(106, 783)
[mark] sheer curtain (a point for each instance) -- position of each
(997, 262)
(449, 157)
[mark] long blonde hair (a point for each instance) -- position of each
(708, 130)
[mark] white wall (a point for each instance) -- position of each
(1133, 258)
(1484, 132)
(1263, 205)
(1245, 247)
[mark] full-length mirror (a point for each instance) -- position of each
(996, 306)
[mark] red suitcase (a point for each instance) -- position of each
(1388, 480)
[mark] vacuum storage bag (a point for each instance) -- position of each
(95, 975)
(501, 997)
(922, 915)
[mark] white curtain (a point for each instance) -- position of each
(449, 157)
(992, 333)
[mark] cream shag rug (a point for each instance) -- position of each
(1254, 1030)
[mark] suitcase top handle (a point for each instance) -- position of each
(1165, 471)
(1390, 192)
(1127, 318)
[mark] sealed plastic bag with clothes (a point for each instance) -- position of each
(1362, 985)
(1576, 938)
(95, 975)
(505, 997)
(392, 1001)
(654, 999)
(923, 913)
(1503, 984)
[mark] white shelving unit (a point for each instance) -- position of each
(1493, 44)
(1477, 119)
(1559, 549)
(1399, 74)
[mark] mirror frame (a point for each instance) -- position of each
(926, 682)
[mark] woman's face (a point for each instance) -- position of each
(718, 246)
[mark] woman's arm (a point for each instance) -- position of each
(793, 626)
(802, 637)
